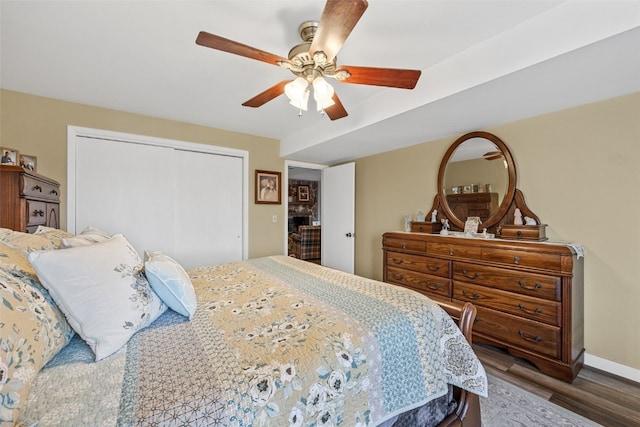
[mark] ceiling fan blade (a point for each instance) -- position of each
(230, 46)
(389, 77)
(337, 20)
(336, 111)
(266, 96)
(492, 155)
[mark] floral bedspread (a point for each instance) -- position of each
(275, 341)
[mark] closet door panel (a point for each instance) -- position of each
(124, 187)
(208, 208)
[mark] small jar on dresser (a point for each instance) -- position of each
(28, 200)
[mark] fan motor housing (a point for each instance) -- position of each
(301, 57)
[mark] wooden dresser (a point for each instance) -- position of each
(28, 200)
(529, 295)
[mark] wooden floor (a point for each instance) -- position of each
(594, 394)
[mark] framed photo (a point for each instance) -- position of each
(29, 162)
(268, 187)
(471, 225)
(303, 193)
(9, 156)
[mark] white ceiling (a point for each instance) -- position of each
(483, 63)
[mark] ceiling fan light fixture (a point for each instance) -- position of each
(322, 91)
(321, 106)
(296, 89)
(301, 104)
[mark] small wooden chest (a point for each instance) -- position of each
(524, 232)
(425, 227)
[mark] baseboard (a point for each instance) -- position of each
(612, 367)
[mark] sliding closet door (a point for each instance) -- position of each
(206, 206)
(125, 187)
(186, 202)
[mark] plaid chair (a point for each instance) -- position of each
(305, 244)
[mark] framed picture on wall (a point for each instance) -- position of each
(29, 162)
(268, 187)
(9, 156)
(303, 193)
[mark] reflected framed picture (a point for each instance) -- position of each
(29, 162)
(268, 187)
(303, 193)
(9, 156)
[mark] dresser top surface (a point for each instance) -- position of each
(574, 248)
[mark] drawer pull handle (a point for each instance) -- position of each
(37, 188)
(397, 276)
(474, 296)
(433, 268)
(404, 246)
(450, 251)
(516, 260)
(38, 213)
(529, 288)
(537, 339)
(470, 276)
(433, 287)
(53, 192)
(397, 261)
(538, 310)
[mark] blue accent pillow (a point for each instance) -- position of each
(171, 282)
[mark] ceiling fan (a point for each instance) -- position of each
(492, 155)
(315, 58)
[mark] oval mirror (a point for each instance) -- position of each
(477, 177)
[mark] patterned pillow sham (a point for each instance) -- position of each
(102, 290)
(14, 261)
(54, 234)
(26, 242)
(32, 331)
(172, 284)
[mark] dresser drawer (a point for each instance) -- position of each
(404, 244)
(520, 305)
(522, 333)
(535, 285)
(422, 264)
(523, 258)
(36, 213)
(419, 281)
(454, 250)
(33, 187)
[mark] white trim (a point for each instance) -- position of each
(285, 186)
(611, 367)
(74, 132)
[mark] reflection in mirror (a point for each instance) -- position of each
(476, 166)
(477, 178)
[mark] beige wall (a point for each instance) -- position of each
(579, 172)
(577, 168)
(38, 126)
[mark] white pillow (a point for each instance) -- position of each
(101, 289)
(89, 236)
(169, 280)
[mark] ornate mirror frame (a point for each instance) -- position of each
(513, 198)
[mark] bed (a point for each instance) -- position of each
(272, 341)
